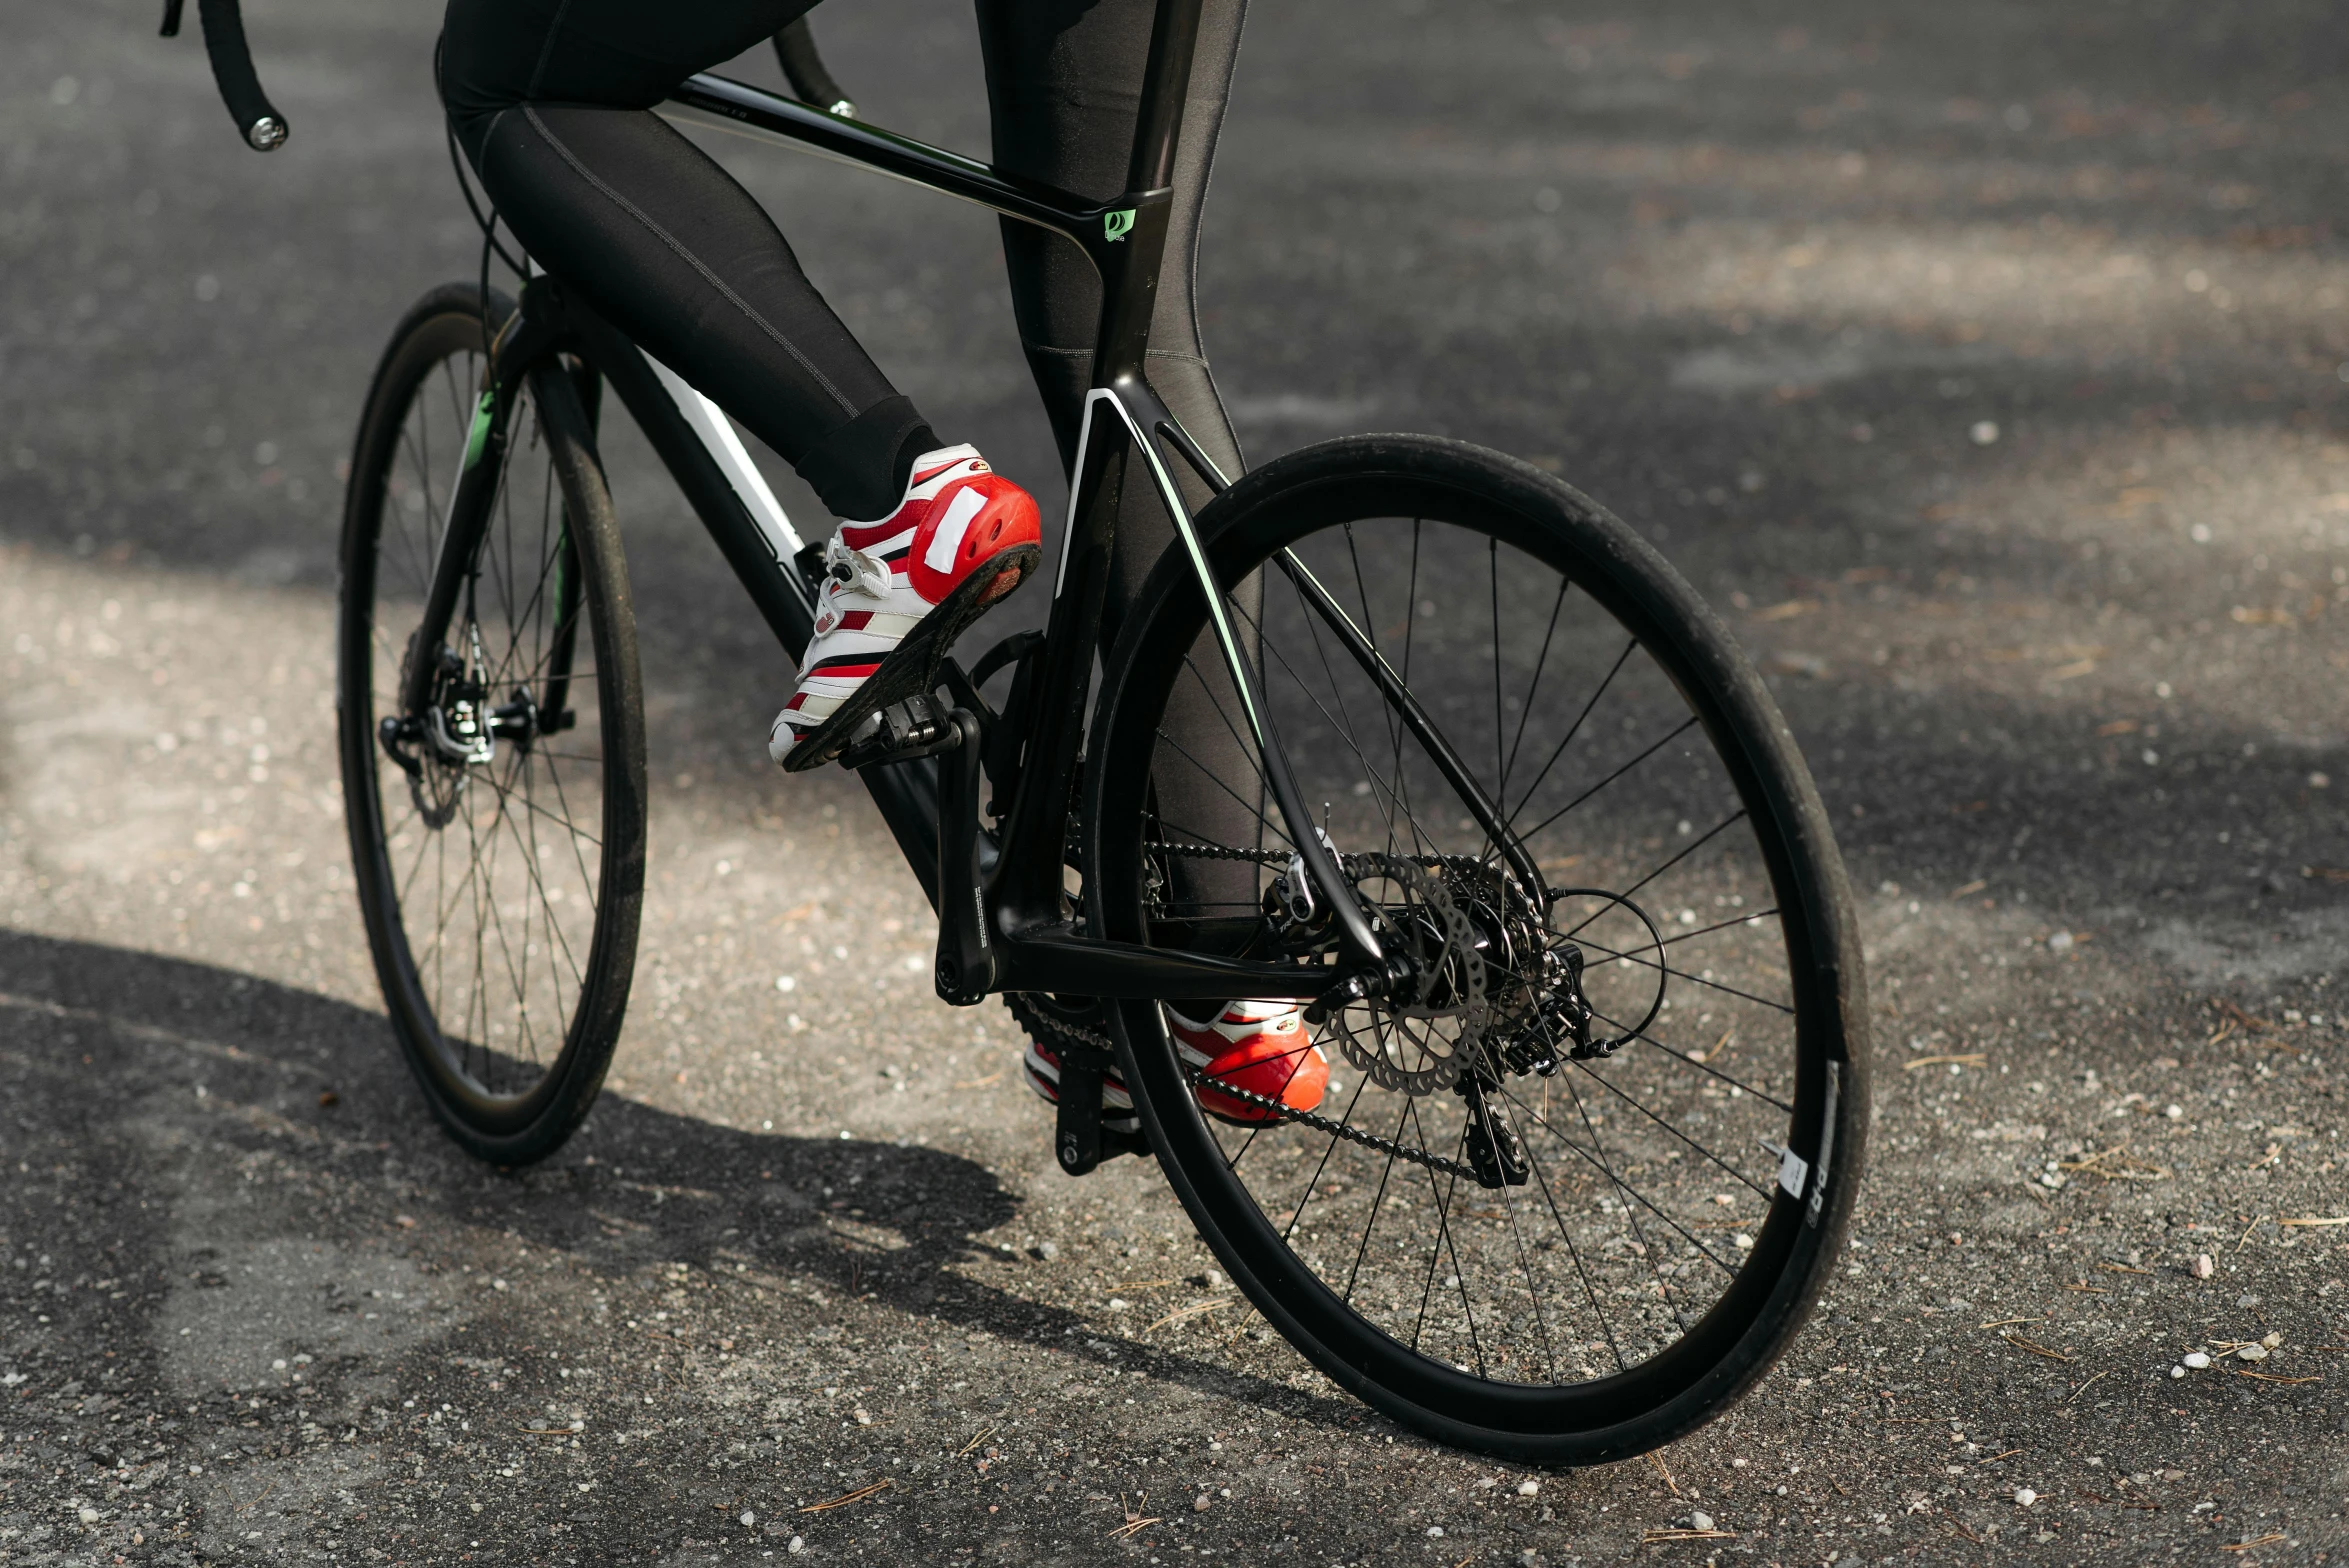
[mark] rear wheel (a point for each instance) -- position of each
(1572, 1194)
(497, 838)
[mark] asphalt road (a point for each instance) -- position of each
(1986, 363)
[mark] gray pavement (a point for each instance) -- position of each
(1987, 363)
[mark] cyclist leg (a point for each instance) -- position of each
(552, 101)
(1064, 86)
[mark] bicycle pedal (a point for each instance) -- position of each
(920, 726)
(1080, 1140)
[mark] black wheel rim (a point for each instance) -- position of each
(488, 876)
(1611, 1282)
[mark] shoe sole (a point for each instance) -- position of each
(911, 669)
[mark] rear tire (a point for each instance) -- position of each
(501, 896)
(1650, 1260)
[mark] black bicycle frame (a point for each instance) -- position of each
(1011, 922)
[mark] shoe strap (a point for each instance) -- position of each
(850, 570)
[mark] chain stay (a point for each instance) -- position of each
(1034, 1018)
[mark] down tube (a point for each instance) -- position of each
(905, 792)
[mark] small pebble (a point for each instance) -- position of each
(1200, 1504)
(2196, 1359)
(748, 1517)
(2025, 1497)
(1435, 1530)
(864, 1418)
(2252, 1353)
(1048, 1250)
(1529, 1489)
(1701, 1521)
(2203, 1267)
(2177, 1371)
(797, 1545)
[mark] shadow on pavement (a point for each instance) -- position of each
(176, 1056)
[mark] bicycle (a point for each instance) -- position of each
(1589, 1145)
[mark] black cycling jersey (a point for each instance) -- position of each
(551, 100)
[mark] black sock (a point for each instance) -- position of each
(859, 470)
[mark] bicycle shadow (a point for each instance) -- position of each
(212, 1075)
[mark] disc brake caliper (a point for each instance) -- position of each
(457, 723)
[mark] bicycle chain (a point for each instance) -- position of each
(1036, 1021)
(1273, 857)
(1033, 1018)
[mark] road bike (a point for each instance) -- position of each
(1526, 837)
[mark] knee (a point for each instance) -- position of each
(488, 51)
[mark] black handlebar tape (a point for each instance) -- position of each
(258, 121)
(795, 47)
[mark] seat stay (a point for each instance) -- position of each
(1138, 410)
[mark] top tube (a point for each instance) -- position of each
(721, 103)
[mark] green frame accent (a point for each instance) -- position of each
(477, 438)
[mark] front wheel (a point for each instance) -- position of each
(1569, 1192)
(498, 836)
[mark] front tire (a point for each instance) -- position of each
(501, 889)
(1679, 1202)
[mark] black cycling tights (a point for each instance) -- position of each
(551, 100)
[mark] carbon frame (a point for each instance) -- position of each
(1017, 919)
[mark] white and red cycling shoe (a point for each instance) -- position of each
(1259, 1047)
(898, 592)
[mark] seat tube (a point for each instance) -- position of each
(1132, 243)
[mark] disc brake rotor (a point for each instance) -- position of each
(1422, 1039)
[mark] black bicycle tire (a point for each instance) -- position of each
(1681, 1388)
(538, 1122)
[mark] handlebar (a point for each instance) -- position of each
(263, 128)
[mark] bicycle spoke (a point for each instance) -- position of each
(1213, 778)
(1509, 813)
(1682, 974)
(498, 891)
(1683, 728)
(1700, 842)
(1375, 780)
(1525, 714)
(1385, 1173)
